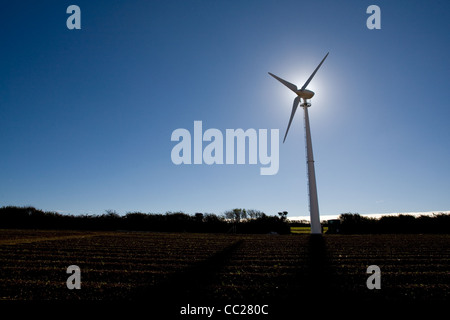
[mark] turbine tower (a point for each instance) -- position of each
(305, 94)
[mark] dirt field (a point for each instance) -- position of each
(217, 269)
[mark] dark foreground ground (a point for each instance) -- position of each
(161, 272)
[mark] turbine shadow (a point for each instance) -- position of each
(318, 281)
(189, 284)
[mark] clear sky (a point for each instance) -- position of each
(86, 116)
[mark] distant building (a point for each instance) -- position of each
(334, 226)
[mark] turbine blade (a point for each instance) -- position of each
(291, 86)
(294, 108)
(313, 74)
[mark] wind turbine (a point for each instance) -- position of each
(305, 94)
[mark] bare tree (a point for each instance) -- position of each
(255, 214)
(236, 215)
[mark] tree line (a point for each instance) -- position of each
(236, 221)
(354, 223)
(232, 221)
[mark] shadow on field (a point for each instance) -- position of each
(188, 284)
(314, 284)
(320, 280)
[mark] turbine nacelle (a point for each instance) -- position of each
(305, 94)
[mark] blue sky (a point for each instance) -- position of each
(86, 116)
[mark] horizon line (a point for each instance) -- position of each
(372, 215)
